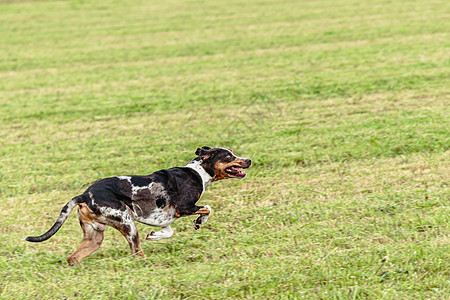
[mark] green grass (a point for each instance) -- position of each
(342, 105)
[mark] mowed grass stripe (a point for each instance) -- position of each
(127, 37)
(163, 14)
(427, 42)
(233, 37)
(307, 58)
(102, 53)
(90, 103)
(307, 113)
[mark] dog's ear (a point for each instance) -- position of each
(202, 150)
(198, 151)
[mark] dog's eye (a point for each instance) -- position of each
(228, 156)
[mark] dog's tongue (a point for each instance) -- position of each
(240, 172)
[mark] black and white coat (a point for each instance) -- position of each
(157, 200)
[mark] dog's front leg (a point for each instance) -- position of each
(204, 213)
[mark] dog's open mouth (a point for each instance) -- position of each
(236, 171)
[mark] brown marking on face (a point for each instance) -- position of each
(220, 168)
(221, 163)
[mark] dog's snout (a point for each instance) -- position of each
(249, 161)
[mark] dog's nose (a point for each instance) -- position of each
(249, 161)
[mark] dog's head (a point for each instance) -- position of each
(221, 163)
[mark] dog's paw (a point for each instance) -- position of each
(165, 233)
(152, 236)
(200, 221)
(197, 223)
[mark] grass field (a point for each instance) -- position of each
(343, 106)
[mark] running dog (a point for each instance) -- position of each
(157, 200)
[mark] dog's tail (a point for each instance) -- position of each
(65, 211)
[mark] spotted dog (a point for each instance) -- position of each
(157, 200)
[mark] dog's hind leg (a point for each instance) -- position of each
(92, 235)
(164, 233)
(128, 229)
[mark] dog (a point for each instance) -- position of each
(157, 200)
